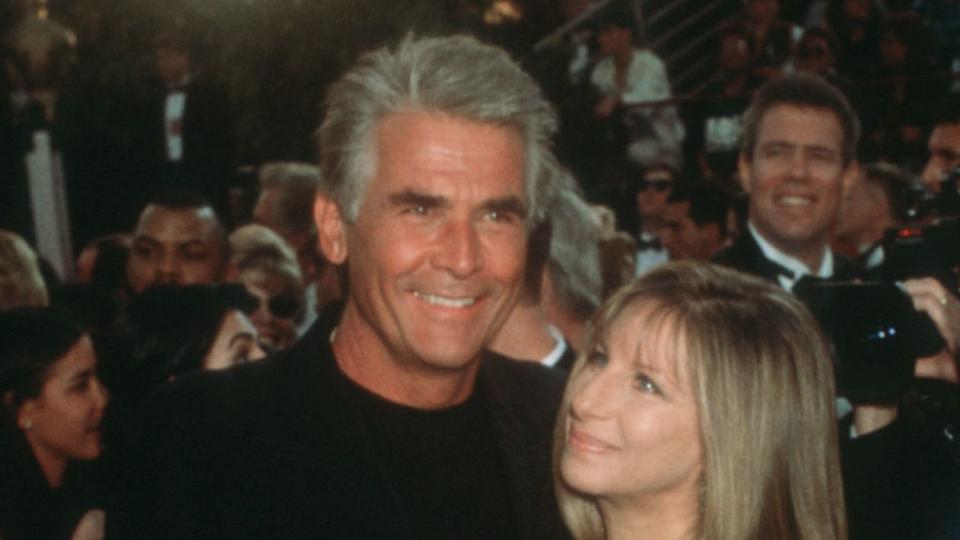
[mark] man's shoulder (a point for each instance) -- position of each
(523, 387)
(742, 254)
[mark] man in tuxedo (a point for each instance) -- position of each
(800, 136)
(395, 422)
(185, 138)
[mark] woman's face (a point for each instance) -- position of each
(62, 423)
(632, 429)
(277, 331)
(236, 342)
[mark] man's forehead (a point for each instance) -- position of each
(820, 126)
(946, 136)
(160, 221)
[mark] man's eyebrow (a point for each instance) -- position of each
(143, 238)
(409, 197)
(511, 204)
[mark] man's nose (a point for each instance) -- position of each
(168, 269)
(459, 251)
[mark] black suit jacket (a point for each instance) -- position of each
(745, 255)
(268, 451)
(209, 145)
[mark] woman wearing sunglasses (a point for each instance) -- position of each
(702, 408)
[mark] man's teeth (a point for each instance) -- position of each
(795, 201)
(444, 301)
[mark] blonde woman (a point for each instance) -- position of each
(701, 409)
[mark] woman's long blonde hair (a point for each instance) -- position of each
(763, 382)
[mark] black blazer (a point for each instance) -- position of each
(746, 256)
(268, 451)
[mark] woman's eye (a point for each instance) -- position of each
(597, 358)
(645, 384)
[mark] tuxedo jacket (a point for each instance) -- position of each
(746, 256)
(267, 450)
(209, 145)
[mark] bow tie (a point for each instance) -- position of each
(652, 244)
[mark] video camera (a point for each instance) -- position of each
(876, 333)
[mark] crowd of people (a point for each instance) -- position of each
(454, 326)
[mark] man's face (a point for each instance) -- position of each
(681, 235)
(175, 246)
(172, 65)
(436, 254)
(612, 39)
(652, 193)
(796, 177)
(815, 55)
(734, 54)
(944, 146)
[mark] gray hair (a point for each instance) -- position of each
(455, 75)
(296, 184)
(574, 250)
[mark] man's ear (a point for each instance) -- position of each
(25, 410)
(744, 167)
(331, 229)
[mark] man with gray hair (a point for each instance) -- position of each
(396, 423)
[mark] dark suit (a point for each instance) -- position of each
(746, 256)
(208, 155)
(269, 451)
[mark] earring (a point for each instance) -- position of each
(27, 424)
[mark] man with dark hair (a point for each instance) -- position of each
(178, 240)
(879, 198)
(695, 222)
(944, 144)
(397, 422)
(800, 136)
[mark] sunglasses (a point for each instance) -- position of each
(282, 306)
(656, 185)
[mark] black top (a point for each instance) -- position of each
(443, 465)
(285, 448)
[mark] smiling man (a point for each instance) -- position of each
(800, 135)
(397, 423)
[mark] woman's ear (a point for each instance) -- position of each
(331, 229)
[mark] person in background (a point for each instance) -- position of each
(266, 266)
(178, 240)
(285, 205)
(21, 283)
(773, 37)
(169, 331)
(625, 75)
(653, 184)
(52, 410)
(562, 271)
(678, 425)
(185, 130)
(695, 222)
(943, 145)
(879, 198)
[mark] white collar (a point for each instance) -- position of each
(551, 359)
(798, 267)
